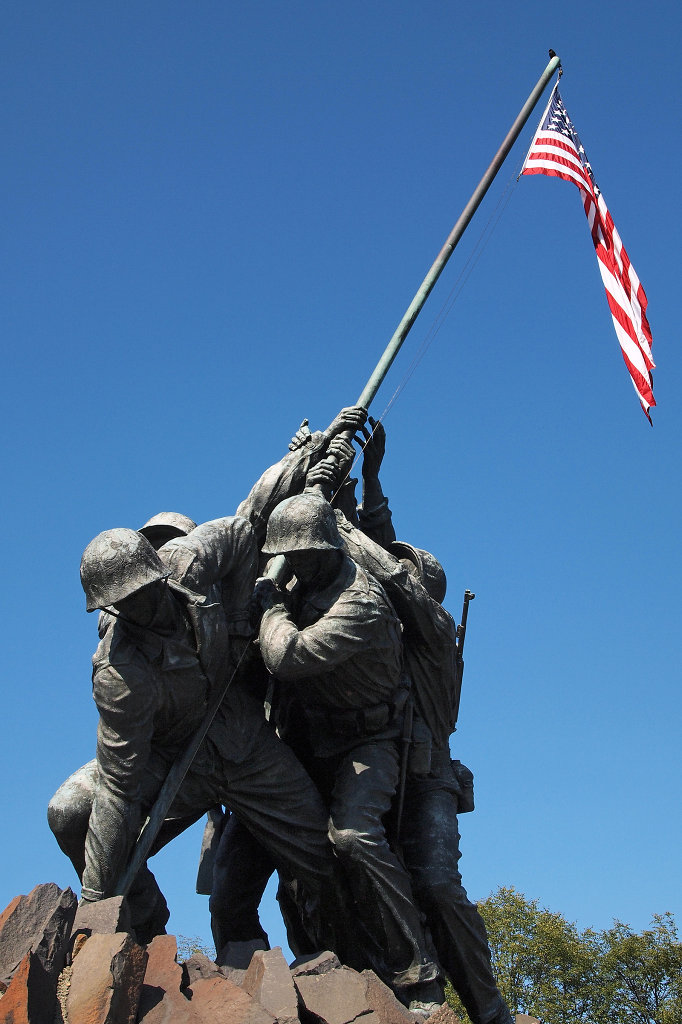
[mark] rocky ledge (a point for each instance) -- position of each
(63, 965)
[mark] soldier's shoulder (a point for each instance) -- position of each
(116, 652)
(363, 583)
(210, 536)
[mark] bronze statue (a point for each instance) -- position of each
(181, 623)
(435, 786)
(333, 644)
(365, 663)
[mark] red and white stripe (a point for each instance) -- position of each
(560, 154)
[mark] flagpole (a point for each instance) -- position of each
(413, 310)
(277, 568)
(278, 565)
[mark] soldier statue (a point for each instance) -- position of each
(333, 644)
(436, 788)
(181, 626)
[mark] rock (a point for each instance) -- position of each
(320, 964)
(40, 922)
(233, 974)
(198, 966)
(103, 917)
(336, 996)
(523, 1018)
(210, 999)
(161, 999)
(106, 981)
(30, 997)
(238, 954)
(235, 957)
(269, 980)
(217, 1000)
(445, 1015)
(383, 1002)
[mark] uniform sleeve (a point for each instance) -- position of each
(125, 698)
(424, 620)
(344, 631)
(223, 552)
(285, 478)
(377, 523)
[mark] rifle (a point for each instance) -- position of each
(459, 655)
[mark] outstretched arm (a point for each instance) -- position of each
(126, 703)
(374, 514)
(288, 476)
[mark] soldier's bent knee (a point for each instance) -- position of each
(61, 814)
(438, 892)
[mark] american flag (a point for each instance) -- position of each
(557, 151)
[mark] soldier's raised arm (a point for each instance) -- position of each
(288, 476)
(374, 515)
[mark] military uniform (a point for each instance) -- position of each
(336, 650)
(280, 481)
(151, 686)
(429, 833)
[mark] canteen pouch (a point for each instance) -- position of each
(465, 780)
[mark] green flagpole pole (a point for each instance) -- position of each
(413, 310)
(367, 395)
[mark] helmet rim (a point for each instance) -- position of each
(116, 564)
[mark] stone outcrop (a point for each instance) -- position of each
(40, 922)
(30, 997)
(103, 917)
(269, 981)
(106, 982)
(161, 998)
(110, 979)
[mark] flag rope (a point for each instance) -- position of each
(461, 280)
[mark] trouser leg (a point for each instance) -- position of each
(275, 799)
(68, 815)
(365, 783)
(240, 873)
(430, 847)
(299, 939)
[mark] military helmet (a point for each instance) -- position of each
(116, 564)
(165, 526)
(305, 522)
(431, 572)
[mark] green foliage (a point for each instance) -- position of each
(645, 972)
(546, 967)
(187, 946)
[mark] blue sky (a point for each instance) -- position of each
(214, 217)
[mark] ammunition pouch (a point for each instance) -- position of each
(355, 722)
(465, 781)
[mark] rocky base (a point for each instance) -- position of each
(60, 966)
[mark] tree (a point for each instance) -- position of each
(546, 967)
(189, 945)
(645, 972)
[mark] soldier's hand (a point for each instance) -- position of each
(265, 594)
(342, 451)
(353, 418)
(301, 437)
(325, 475)
(373, 448)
